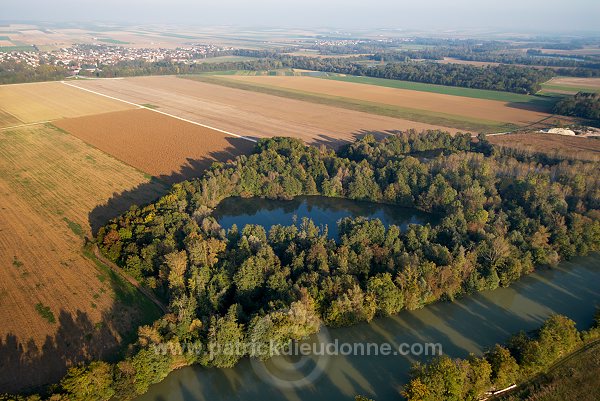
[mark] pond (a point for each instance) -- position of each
(322, 210)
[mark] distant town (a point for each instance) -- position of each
(91, 56)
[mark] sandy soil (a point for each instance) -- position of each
(51, 185)
(249, 113)
(159, 145)
(454, 105)
(52, 100)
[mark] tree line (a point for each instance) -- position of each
(502, 78)
(532, 57)
(499, 219)
(522, 358)
(584, 105)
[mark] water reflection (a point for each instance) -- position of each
(322, 210)
(467, 325)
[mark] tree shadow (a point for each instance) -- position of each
(158, 186)
(25, 366)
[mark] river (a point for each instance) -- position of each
(468, 325)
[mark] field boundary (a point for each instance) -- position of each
(25, 125)
(143, 290)
(160, 112)
(459, 122)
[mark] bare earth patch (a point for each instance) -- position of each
(552, 144)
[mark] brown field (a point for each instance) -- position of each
(461, 106)
(52, 100)
(575, 52)
(159, 145)
(560, 145)
(249, 113)
(53, 186)
(576, 82)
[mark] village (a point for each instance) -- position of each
(91, 56)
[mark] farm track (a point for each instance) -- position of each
(248, 114)
(146, 292)
(52, 187)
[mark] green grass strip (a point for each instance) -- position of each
(543, 103)
(423, 116)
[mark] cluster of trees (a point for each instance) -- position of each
(502, 77)
(475, 378)
(531, 57)
(585, 105)
(499, 218)
(12, 72)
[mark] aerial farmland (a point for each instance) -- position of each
(168, 191)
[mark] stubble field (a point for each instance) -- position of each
(486, 111)
(571, 85)
(249, 113)
(57, 306)
(29, 103)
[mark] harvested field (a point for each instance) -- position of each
(52, 187)
(519, 100)
(251, 114)
(552, 144)
(52, 100)
(572, 85)
(159, 145)
(8, 120)
(480, 109)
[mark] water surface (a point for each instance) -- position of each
(322, 210)
(469, 325)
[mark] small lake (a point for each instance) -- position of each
(322, 210)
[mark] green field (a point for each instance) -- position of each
(544, 103)
(112, 41)
(424, 116)
(224, 59)
(8, 49)
(4, 38)
(176, 35)
(548, 88)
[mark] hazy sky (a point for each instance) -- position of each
(525, 15)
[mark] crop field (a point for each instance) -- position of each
(538, 102)
(162, 146)
(225, 59)
(8, 120)
(571, 85)
(251, 114)
(434, 106)
(53, 188)
(552, 144)
(52, 100)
